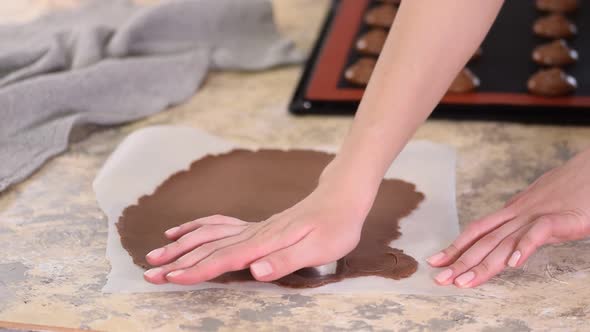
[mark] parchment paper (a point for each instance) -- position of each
(149, 156)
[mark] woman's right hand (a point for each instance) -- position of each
(320, 229)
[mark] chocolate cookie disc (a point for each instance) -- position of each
(552, 82)
(360, 72)
(465, 82)
(381, 16)
(557, 6)
(372, 42)
(554, 26)
(555, 53)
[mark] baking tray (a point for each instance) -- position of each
(503, 69)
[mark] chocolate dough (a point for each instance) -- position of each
(372, 42)
(360, 72)
(465, 82)
(552, 82)
(253, 186)
(554, 26)
(381, 16)
(555, 53)
(559, 6)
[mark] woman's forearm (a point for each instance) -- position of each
(428, 45)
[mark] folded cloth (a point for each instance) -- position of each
(110, 62)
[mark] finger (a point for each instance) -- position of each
(492, 264)
(178, 231)
(573, 225)
(552, 228)
(479, 250)
(539, 234)
(237, 257)
(192, 240)
(158, 275)
(472, 233)
(285, 261)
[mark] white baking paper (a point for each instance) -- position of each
(149, 156)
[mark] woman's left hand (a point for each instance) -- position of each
(554, 209)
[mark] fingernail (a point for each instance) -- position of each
(513, 261)
(436, 258)
(174, 274)
(156, 253)
(464, 279)
(261, 269)
(444, 276)
(171, 231)
(153, 272)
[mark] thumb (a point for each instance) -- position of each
(538, 234)
(285, 261)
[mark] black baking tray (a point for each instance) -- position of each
(505, 66)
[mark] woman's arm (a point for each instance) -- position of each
(428, 44)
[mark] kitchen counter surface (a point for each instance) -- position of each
(53, 235)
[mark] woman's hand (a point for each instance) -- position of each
(320, 229)
(554, 209)
(327, 224)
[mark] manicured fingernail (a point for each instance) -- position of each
(444, 276)
(174, 274)
(153, 272)
(156, 253)
(436, 258)
(513, 261)
(261, 269)
(464, 279)
(171, 231)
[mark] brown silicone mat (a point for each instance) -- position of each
(503, 69)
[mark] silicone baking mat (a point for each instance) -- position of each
(504, 68)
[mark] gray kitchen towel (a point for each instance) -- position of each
(111, 62)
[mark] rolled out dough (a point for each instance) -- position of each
(254, 185)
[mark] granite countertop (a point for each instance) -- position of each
(53, 235)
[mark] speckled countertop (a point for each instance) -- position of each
(53, 235)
